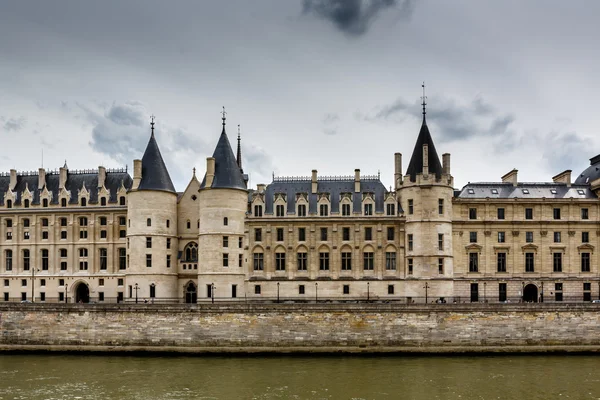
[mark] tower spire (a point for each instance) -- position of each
(152, 123)
(424, 103)
(223, 113)
(239, 151)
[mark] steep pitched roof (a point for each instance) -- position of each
(416, 161)
(155, 175)
(227, 172)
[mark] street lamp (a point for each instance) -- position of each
(368, 291)
(278, 292)
(136, 288)
(212, 293)
(316, 292)
(33, 284)
(426, 287)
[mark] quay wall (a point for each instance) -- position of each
(306, 328)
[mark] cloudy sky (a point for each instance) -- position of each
(315, 84)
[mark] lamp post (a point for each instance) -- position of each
(278, 292)
(66, 292)
(316, 292)
(212, 293)
(136, 288)
(368, 291)
(426, 287)
(33, 284)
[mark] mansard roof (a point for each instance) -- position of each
(75, 181)
(155, 175)
(330, 185)
(228, 174)
(532, 190)
(591, 173)
(415, 165)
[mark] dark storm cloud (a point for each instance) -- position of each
(13, 124)
(354, 17)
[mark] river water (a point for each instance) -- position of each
(117, 377)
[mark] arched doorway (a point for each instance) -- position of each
(191, 294)
(530, 293)
(82, 293)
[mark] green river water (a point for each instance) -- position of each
(258, 377)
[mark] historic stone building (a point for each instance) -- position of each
(100, 235)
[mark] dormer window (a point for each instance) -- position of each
(494, 191)
(471, 191)
(525, 191)
(122, 200)
(302, 210)
(63, 202)
(45, 203)
(8, 203)
(390, 209)
(553, 191)
(280, 210)
(103, 201)
(368, 209)
(258, 211)
(323, 210)
(26, 203)
(346, 209)
(83, 202)
(581, 192)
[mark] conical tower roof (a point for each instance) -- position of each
(155, 175)
(416, 161)
(228, 174)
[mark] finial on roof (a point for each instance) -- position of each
(194, 170)
(424, 98)
(239, 151)
(65, 166)
(152, 123)
(223, 113)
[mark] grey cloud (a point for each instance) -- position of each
(561, 151)
(14, 124)
(328, 121)
(354, 17)
(258, 162)
(330, 131)
(330, 118)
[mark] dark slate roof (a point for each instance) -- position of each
(591, 173)
(227, 172)
(536, 190)
(291, 187)
(416, 161)
(155, 175)
(75, 181)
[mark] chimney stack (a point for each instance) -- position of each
(397, 169)
(210, 171)
(314, 181)
(511, 177)
(563, 177)
(357, 180)
(41, 178)
(260, 188)
(62, 177)
(446, 163)
(137, 174)
(101, 176)
(13, 179)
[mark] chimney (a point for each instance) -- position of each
(101, 176)
(398, 169)
(41, 178)
(62, 177)
(261, 187)
(563, 177)
(314, 181)
(511, 177)
(210, 171)
(425, 160)
(446, 163)
(137, 174)
(357, 180)
(13, 179)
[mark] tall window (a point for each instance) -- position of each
(473, 262)
(501, 258)
(279, 234)
(529, 213)
(556, 213)
(148, 260)
(410, 241)
(103, 258)
(529, 262)
(472, 213)
(280, 261)
(258, 261)
(225, 221)
(529, 237)
(148, 221)
(225, 241)
(148, 242)
(368, 209)
(441, 266)
(440, 241)
(226, 260)
(324, 261)
(502, 292)
(8, 259)
(63, 259)
(368, 233)
(122, 200)
(26, 260)
(83, 262)
(122, 258)
(323, 234)
(301, 234)
(585, 213)
(585, 262)
(557, 262)
(302, 210)
(585, 237)
(323, 210)
(368, 261)
(473, 237)
(152, 291)
(301, 259)
(257, 234)
(44, 259)
(410, 266)
(440, 206)
(556, 237)
(390, 209)
(280, 210)
(258, 212)
(345, 233)
(501, 237)
(346, 261)
(390, 233)
(411, 209)
(500, 213)
(191, 252)
(345, 209)
(390, 261)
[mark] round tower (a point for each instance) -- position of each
(223, 202)
(425, 194)
(152, 229)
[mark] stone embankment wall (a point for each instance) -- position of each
(301, 328)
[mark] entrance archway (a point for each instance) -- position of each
(82, 293)
(191, 294)
(530, 293)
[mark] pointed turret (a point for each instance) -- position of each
(227, 171)
(155, 175)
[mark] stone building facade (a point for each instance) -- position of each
(104, 236)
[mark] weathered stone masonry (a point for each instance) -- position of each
(303, 328)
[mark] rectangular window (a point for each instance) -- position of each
(474, 292)
(258, 211)
(148, 242)
(240, 242)
(501, 237)
(26, 222)
(103, 258)
(103, 220)
(410, 207)
(585, 262)
(410, 266)
(225, 260)
(557, 262)
(585, 237)
(26, 260)
(529, 237)
(368, 261)
(323, 234)
(323, 210)
(301, 289)
(501, 260)
(410, 241)
(280, 210)
(63, 265)
(324, 261)
(148, 260)
(472, 237)
(122, 258)
(441, 266)
(585, 213)
(557, 237)
(83, 234)
(152, 291)
(369, 209)
(556, 213)
(302, 210)
(8, 235)
(258, 261)
(346, 289)
(390, 209)
(280, 234)
(529, 213)
(390, 233)
(390, 289)
(345, 234)
(9, 223)
(8, 260)
(225, 241)
(301, 261)
(122, 233)
(558, 296)
(257, 234)
(168, 243)
(279, 261)
(121, 221)
(101, 282)
(346, 261)
(440, 241)
(45, 235)
(63, 235)
(390, 261)
(26, 235)
(500, 213)
(529, 262)
(472, 213)
(168, 261)
(301, 234)
(502, 292)
(103, 234)
(368, 233)
(440, 206)
(473, 262)
(345, 209)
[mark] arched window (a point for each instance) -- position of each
(149, 222)
(225, 221)
(188, 224)
(191, 252)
